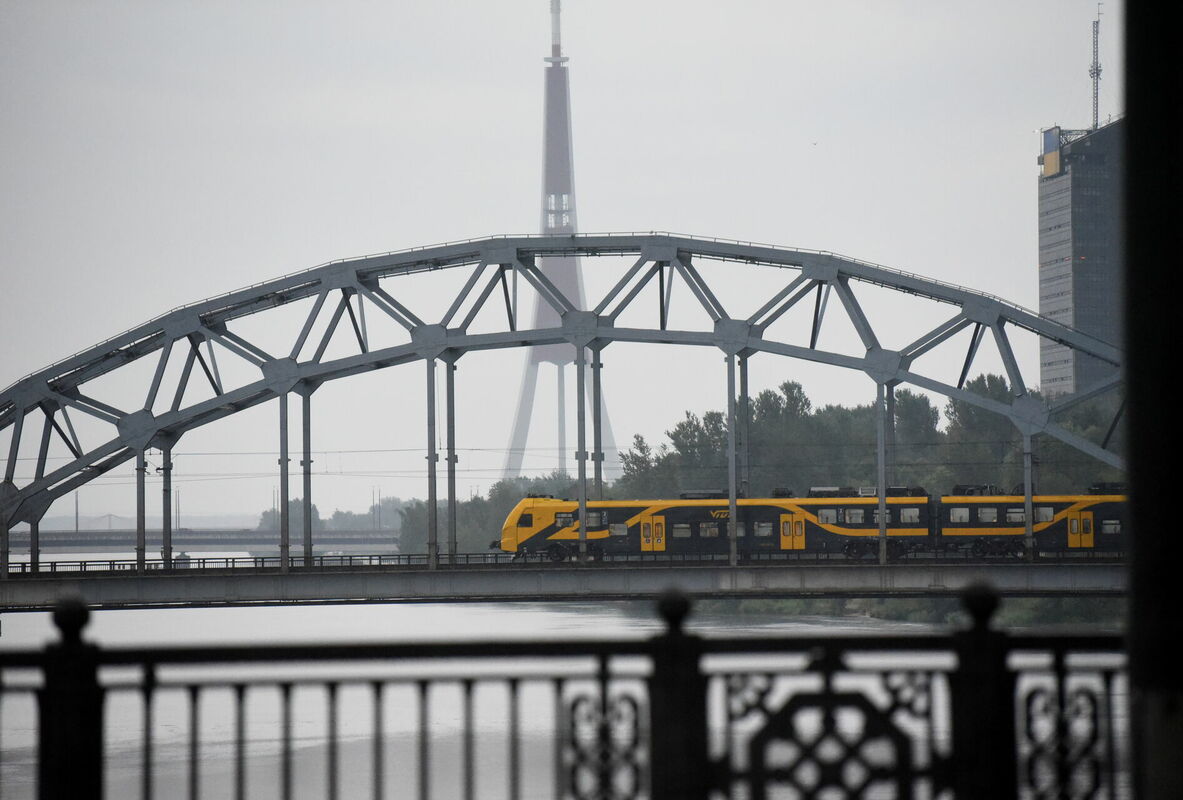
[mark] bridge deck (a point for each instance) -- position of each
(534, 582)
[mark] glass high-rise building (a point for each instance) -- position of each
(1080, 255)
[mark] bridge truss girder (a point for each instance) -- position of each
(350, 286)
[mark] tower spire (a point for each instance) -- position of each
(556, 43)
(558, 218)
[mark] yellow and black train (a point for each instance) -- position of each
(971, 521)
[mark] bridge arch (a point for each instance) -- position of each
(39, 405)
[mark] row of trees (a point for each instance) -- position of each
(793, 446)
(387, 516)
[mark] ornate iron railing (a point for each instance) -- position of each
(975, 713)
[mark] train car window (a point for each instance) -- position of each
(1086, 525)
(618, 529)
(910, 515)
(875, 514)
(855, 516)
(740, 530)
(987, 514)
(1044, 513)
(763, 528)
(708, 530)
(595, 519)
(1110, 526)
(564, 519)
(959, 514)
(681, 530)
(525, 520)
(827, 516)
(1015, 515)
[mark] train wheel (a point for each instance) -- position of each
(556, 552)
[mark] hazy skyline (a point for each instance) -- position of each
(154, 154)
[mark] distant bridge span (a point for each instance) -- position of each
(528, 583)
(200, 332)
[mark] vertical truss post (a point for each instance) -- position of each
(892, 477)
(881, 466)
(166, 507)
(433, 555)
(450, 409)
(561, 377)
(1028, 490)
(597, 433)
(285, 538)
(745, 453)
(141, 545)
(35, 546)
(35, 524)
(732, 505)
(306, 466)
(581, 443)
(4, 547)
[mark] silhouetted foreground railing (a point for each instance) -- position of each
(972, 714)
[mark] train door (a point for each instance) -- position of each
(653, 534)
(792, 531)
(1080, 529)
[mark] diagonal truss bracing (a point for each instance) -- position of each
(37, 407)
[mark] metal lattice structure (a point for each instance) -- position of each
(40, 404)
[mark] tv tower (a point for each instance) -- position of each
(558, 217)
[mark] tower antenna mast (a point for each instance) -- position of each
(1095, 68)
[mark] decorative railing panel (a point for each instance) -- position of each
(972, 714)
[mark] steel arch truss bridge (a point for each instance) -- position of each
(500, 273)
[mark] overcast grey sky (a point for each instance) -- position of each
(153, 154)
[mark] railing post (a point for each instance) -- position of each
(679, 765)
(71, 712)
(983, 706)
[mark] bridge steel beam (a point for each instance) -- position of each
(166, 507)
(306, 468)
(450, 445)
(285, 530)
(433, 523)
(379, 280)
(581, 443)
(547, 582)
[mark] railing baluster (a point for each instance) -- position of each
(515, 747)
(148, 692)
(194, 727)
(331, 691)
(424, 745)
(377, 687)
(558, 739)
(468, 748)
(285, 744)
(240, 741)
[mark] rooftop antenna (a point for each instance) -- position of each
(1095, 68)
